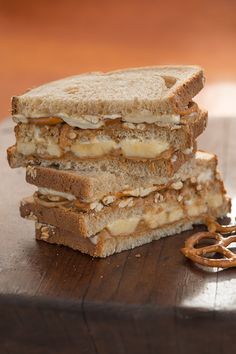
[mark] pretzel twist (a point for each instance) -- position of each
(199, 255)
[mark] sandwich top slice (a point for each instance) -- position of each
(135, 115)
(88, 101)
(134, 212)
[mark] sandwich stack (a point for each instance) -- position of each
(114, 158)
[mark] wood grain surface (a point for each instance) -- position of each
(55, 300)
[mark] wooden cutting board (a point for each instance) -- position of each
(148, 300)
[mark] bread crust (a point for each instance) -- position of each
(82, 186)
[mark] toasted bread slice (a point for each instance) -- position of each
(87, 100)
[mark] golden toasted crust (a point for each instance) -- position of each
(82, 186)
(199, 124)
(63, 218)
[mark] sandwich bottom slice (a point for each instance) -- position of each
(128, 222)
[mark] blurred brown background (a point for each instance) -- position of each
(45, 40)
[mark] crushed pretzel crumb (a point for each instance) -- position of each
(44, 233)
(97, 206)
(72, 135)
(128, 202)
(108, 199)
(193, 180)
(177, 185)
(31, 171)
(179, 198)
(158, 198)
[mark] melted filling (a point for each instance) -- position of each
(160, 216)
(49, 147)
(97, 121)
(164, 207)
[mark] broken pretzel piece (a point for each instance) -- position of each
(214, 226)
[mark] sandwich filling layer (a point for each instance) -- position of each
(131, 214)
(108, 245)
(98, 121)
(54, 142)
(95, 148)
(163, 214)
(49, 197)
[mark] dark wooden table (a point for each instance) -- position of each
(55, 300)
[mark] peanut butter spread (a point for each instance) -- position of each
(59, 140)
(166, 206)
(156, 193)
(98, 121)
